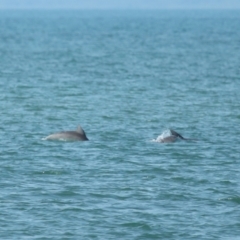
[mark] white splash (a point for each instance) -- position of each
(165, 133)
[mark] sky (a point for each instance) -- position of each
(120, 4)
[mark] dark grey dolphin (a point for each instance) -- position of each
(172, 138)
(78, 135)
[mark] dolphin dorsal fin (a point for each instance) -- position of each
(80, 130)
(176, 134)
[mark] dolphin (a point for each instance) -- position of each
(172, 136)
(78, 135)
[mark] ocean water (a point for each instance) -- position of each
(125, 77)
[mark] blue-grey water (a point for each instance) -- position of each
(124, 76)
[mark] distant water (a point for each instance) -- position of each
(125, 77)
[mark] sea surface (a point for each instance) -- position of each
(125, 77)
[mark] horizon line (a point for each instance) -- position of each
(119, 8)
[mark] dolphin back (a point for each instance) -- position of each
(180, 136)
(170, 136)
(78, 135)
